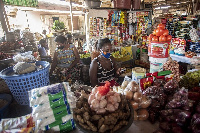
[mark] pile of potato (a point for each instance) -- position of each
(138, 101)
(90, 119)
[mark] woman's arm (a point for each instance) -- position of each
(54, 63)
(93, 73)
(77, 58)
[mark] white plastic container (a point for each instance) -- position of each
(156, 64)
(158, 60)
(156, 67)
(138, 73)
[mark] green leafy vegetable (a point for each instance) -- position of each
(57, 25)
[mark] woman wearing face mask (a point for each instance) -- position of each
(65, 61)
(103, 68)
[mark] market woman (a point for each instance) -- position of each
(103, 68)
(65, 61)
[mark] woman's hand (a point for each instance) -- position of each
(120, 70)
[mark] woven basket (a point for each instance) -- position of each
(3, 87)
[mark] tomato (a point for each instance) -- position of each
(155, 39)
(162, 38)
(161, 26)
(159, 32)
(150, 37)
(169, 38)
(165, 32)
(154, 32)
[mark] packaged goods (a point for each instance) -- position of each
(52, 106)
(17, 123)
(21, 130)
(156, 67)
(159, 49)
(49, 112)
(65, 126)
(138, 73)
(52, 121)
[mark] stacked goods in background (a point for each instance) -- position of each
(121, 26)
(158, 48)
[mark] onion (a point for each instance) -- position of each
(145, 102)
(124, 84)
(198, 109)
(137, 97)
(143, 114)
(135, 116)
(128, 94)
(134, 105)
(132, 86)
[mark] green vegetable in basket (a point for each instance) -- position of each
(87, 55)
(57, 25)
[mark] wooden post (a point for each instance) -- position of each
(71, 16)
(3, 18)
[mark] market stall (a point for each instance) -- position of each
(157, 89)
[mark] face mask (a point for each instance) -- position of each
(61, 47)
(107, 55)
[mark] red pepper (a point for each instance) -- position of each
(103, 90)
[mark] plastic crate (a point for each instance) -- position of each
(19, 85)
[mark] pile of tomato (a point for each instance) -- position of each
(160, 34)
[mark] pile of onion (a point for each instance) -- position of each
(138, 101)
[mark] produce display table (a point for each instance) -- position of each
(136, 127)
(180, 58)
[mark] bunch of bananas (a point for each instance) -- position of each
(117, 56)
(87, 55)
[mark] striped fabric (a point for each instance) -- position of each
(104, 75)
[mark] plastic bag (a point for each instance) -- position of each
(51, 107)
(51, 121)
(17, 123)
(52, 93)
(24, 57)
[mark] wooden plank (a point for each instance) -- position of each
(71, 16)
(3, 17)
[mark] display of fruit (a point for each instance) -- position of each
(160, 34)
(177, 113)
(190, 80)
(179, 101)
(195, 121)
(170, 87)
